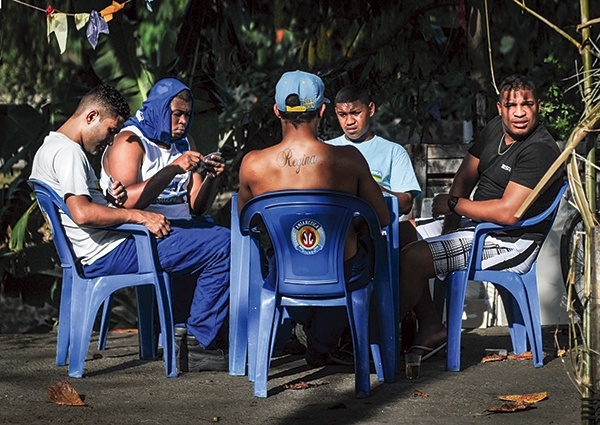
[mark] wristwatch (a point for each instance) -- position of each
(452, 201)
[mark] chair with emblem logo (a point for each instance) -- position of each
(302, 234)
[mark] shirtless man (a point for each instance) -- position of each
(301, 161)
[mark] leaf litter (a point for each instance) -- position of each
(65, 394)
(518, 402)
(302, 385)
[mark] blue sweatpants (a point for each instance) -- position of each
(194, 247)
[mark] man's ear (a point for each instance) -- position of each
(371, 107)
(499, 106)
(322, 110)
(91, 115)
(276, 111)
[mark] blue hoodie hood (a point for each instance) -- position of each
(153, 119)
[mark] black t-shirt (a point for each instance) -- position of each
(524, 162)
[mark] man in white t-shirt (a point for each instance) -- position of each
(198, 251)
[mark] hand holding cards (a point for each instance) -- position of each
(211, 163)
(116, 196)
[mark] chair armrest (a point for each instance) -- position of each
(145, 244)
(483, 229)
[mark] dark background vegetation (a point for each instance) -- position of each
(427, 64)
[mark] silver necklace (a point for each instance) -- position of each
(500, 144)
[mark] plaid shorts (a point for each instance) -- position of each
(450, 251)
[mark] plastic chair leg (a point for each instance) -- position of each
(376, 354)
(105, 323)
(253, 310)
(516, 322)
(238, 301)
(83, 312)
(358, 318)
(64, 319)
(536, 340)
(268, 321)
(167, 325)
(387, 332)
(455, 298)
(145, 295)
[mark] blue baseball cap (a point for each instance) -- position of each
(308, 87)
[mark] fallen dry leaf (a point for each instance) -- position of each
(526, 398)
(303, 385)
(518, 402)
(511, 407)
(125, 331)
(523, 356)
(493, 358)
(65, 394)
(418, 393)
(561, 352)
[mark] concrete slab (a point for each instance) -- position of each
(121, 389)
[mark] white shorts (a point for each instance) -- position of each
(450, 251)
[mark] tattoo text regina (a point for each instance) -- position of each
(284, 159)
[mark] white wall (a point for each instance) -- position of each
(551, 287)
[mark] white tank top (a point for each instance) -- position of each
(172, 202)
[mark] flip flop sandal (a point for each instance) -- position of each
(429, 351)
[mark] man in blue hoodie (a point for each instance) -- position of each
(153, 159)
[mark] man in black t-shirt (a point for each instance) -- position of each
(508, 159)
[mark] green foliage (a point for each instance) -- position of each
(415, 56)
(16, 241)
(560, 116)
(32, 70)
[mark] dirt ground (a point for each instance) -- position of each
(118, 388)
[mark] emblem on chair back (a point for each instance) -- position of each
(308, 236)
(308, 231)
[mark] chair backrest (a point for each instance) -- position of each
(51, 204)
(308, 231)
(549, 213)
(483, 229)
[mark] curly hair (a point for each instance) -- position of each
(517, 82)
(107, 98)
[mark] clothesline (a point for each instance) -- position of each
(51, 9)
(97, 22)
(29, 5)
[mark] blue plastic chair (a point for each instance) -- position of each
(239, 339)
(240, 283)
(81, 298)
(310, 272)
(519, 293)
